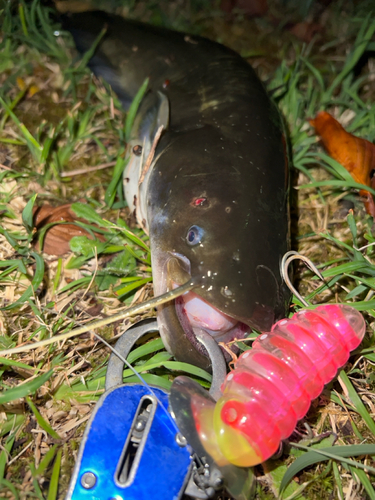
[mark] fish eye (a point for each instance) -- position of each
(194, 235)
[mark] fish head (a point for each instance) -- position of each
(218, 214)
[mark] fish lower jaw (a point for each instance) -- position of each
(235, 333)
(218, 336)
(227, 339)
(193, 323)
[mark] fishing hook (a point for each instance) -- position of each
(284, 270)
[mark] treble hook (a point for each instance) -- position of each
(284, 267)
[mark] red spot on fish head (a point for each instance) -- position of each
(166, 83)
(200, 202)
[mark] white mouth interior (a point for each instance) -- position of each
(202, 315)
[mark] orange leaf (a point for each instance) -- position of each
(355, 154)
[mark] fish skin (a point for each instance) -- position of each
(225, 143)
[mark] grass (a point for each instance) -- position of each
(56, 119)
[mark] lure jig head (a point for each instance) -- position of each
(132, 448)
(271, 387)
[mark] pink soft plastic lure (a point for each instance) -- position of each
(273, 384)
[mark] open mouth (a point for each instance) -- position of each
(196, 315)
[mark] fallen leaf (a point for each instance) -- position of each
(355, 154)
(56, 240)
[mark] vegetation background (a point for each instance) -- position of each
(58, 124)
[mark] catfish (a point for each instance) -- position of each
(207, 177)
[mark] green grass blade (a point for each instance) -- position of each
(134, 108)
(36, 281)
(132, 286)
(35, 148)
(338, 480)
(13, 422)
(6, 449)
(336, 167)
(364, 37)
(41, 421)
(338, 183)
(25, 389)
(11, 487)
(27, 214)
(89, 53)
(18, 364)
(54, 484)
(132, 237)
(335, 452)
(21, 13)
(364, 480)
(187, 368)
(110, 193)
(38, 491)
(57, 275)
(348, 268)
(171, 365)
(88, 213)
(151, 379)
(357, 402)
(145, 349)
(46, 460)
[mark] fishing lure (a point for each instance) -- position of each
(273, 384)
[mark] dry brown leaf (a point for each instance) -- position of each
(56, 240)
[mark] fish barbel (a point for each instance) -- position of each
(214, 199)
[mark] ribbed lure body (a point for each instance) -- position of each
(273, 384)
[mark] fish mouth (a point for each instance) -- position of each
(196, 315)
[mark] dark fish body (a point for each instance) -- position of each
(215, 200)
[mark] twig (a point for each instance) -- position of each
(86, 170)
(131, 311)
(21, 453)
(150, 155)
